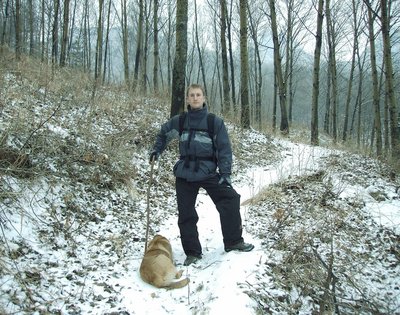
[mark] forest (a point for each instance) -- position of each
(326, 66)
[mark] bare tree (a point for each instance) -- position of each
(225, 108)
(244, 67)
(196, 33)
(87, 46)
(42, 31)
(64, 42)
(375, 83)
(332, 67)
(31, 28)
(179, 70)
(99, 45)
(139, 43)
(106, 50)
(5, 17)
(124, 29)
(356, 33)
(284, 125)
(231, 61)
(315, 89)
(389, 83)
(54, 46)
(144, 54)
(254, 28)
(18, 43)
(155, 44)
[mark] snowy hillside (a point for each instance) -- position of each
(74, 177)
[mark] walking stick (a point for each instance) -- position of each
(148, 203)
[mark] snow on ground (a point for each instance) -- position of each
(217, 281)
(220, 282)
(325, 223)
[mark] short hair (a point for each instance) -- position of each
(195, 86)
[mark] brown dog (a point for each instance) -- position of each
(157, 267)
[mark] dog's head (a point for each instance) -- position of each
(157, 241)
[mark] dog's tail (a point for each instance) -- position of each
(178, 284)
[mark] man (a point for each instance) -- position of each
(202, 154)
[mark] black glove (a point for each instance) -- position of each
(154, 156)
(225, 179)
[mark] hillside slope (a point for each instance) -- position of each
(74, 178)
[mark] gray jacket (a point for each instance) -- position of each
(198, 161)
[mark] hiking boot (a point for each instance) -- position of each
(191, 260)
(240, 247)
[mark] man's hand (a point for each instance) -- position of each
(225, 179)
(154, 156)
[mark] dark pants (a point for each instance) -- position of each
(227, 201)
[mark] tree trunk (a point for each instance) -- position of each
(315, 92)
(71, 34)
(224, 56)
(244, 67)
(275, 102)
(54, 47)
(5, 19)
(99, 46)
(231, 62)
(375, 85)
(389, 73)
(64, 42)
(351, 76)
(139, 41)
(143, 62)
(332, 63)
(124, 27)
(155, 44)
(328, 107)
(18, 44)
(257, 73)
(199, 49)
(169, 43)
(107, 42)
(179, 70)
(87, 47)
(31, 29)
(289, 58)
(43, 47)
(284, 125)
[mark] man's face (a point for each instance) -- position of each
(195, 98)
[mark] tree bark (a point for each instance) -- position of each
(31, 29)
(231, 62)
(18, 43)
(199, 49)
(224, 56)
(106, 53)
(244, 67)
(155, 44)
(54, 47)
(64, 42)
(315, 91)
(124, 27)
(99, 46)
(257, 72)
(139, 41)
(332, 64)
(351, 76)
(284, 125)
(389, 74)
(179, 69)
(375, 84)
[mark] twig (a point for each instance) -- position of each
(148, 204)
